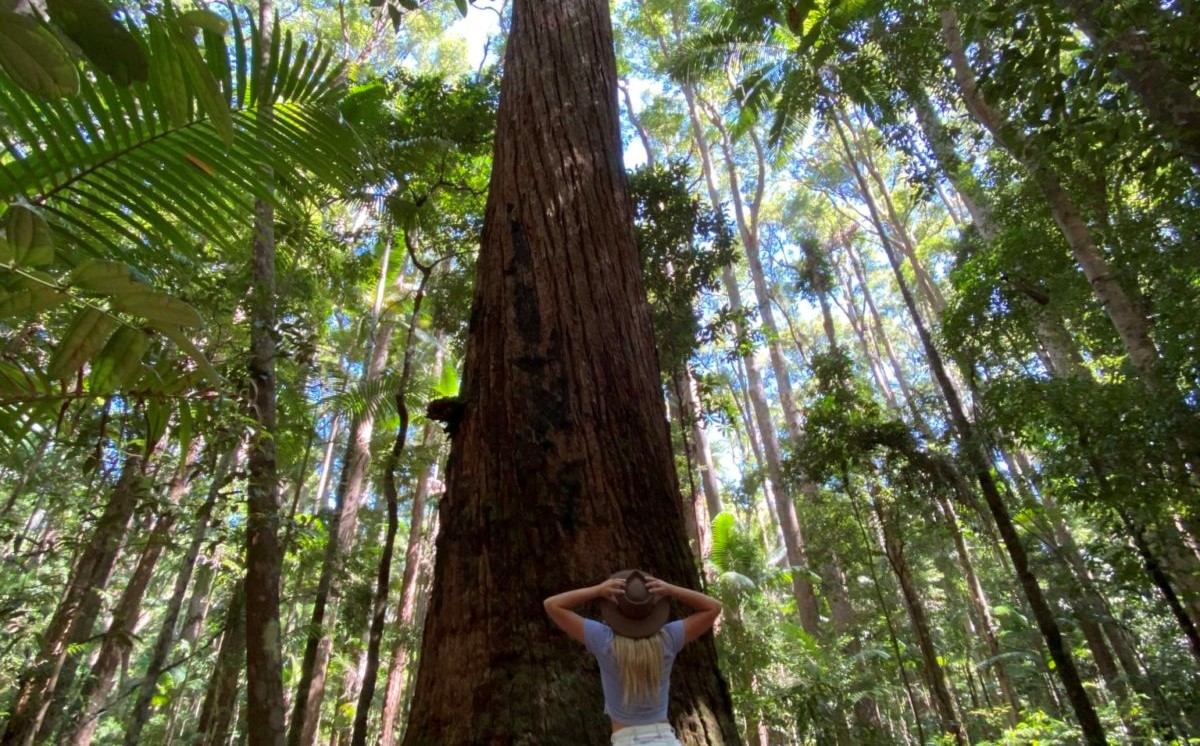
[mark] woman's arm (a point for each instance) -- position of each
(559, 607)
(707, 608)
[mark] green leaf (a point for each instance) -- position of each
(166, 74)
(15, 381)
(410, 4)
(463, 7)
(159, 309)
(28, 237)
(30, 299)
(158, 416)
(34, 59)
(205, 20)
(104, 278)
(204, 87)
(448, 385)
(108, 45)
(118, 361)
(83, 340)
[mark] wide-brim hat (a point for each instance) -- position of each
(636, 613)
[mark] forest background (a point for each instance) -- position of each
(924, 280)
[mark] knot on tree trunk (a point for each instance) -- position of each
(448, 411)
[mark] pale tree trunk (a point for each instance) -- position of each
(118, 641)
(692, 503)
(343, 528)
(166, 634)
(220, 698)
(76, 613)
(561, 367)
(406, 605)
(1131, 324)
(704, 459)
(785, 509)
(1093, 730)
(1170, 101)
(326, 477)
(741, 400)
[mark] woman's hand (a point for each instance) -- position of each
(612, 589)
(658, 588)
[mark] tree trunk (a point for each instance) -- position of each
(118, 641)
(1089, 721)
(1170, 103)
(76, 613)
(166, 634)
(983, 610)
(935, 677)
(1131, 324)
(220, 698)
(264, 559)
(343, 527)
(406, 634)
(561, 369)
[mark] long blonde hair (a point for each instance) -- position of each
(641, 664)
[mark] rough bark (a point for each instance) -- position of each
(263, 637)
(76, 613)
(560, 367)
(1089, 721)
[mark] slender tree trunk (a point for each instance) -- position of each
(1131, 324)
(1170, 102)
(118, 641)
(560, 367)
(343, 528)
(935, 677)
(406, 633)
(1093, 730)
(263, 637)
(166, 634)
(220, 698)
(983, 610)
(76, 613)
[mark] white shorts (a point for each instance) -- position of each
(657, 734)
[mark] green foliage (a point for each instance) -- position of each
(683, 247)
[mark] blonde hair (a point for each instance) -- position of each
(641, 663)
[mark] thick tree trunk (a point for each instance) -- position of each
(79, 607)
(220, 698)
(561, 370)
(1089, 721)
(1170, 102)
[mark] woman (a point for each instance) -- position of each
(635, 647)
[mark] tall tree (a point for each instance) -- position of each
(560, 367)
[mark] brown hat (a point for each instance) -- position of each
(636, 613)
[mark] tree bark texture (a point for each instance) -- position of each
(560, 469)
(220, 698)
